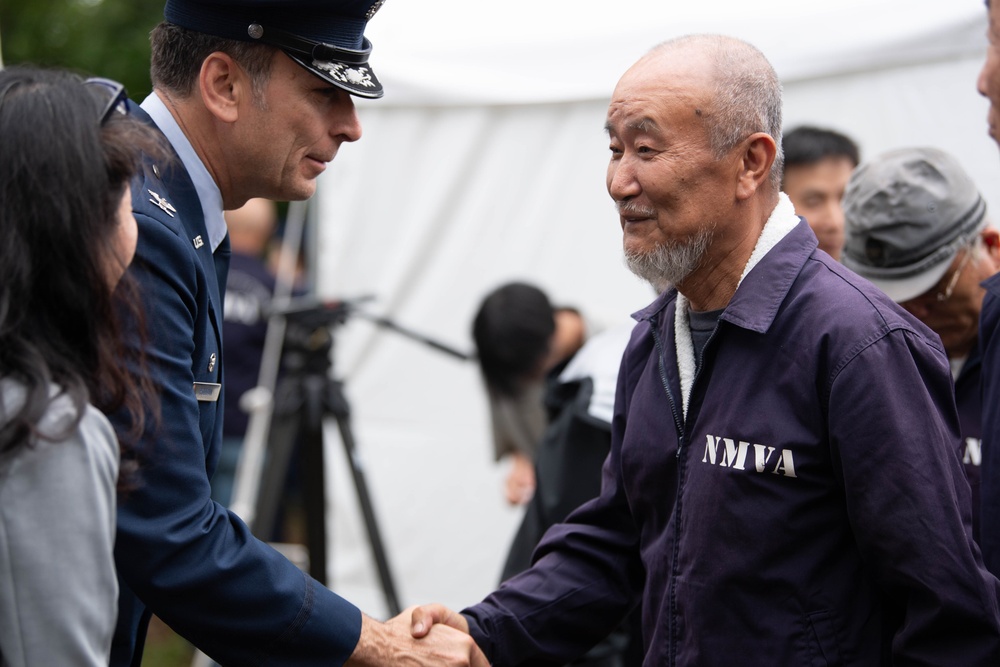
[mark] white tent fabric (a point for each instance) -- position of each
(445, 52)
(485, 163)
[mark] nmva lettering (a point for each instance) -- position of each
(732, 453)
(973, 452)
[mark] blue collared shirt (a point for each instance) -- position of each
(208, 191)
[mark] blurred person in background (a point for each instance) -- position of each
(521, 340)
(244, 325)
(917, 228)
(818, 163)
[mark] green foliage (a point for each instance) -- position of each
(93, 37)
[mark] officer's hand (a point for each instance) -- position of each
(391, 643)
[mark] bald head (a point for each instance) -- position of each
(251, 226)
(694, 130)
(744, 93)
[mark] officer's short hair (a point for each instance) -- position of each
(178, 53)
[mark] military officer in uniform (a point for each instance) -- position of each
(254, 97)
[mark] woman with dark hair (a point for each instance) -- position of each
(68, 150)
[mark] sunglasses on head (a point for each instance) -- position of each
(116, 100)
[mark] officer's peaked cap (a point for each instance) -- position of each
(324, 36)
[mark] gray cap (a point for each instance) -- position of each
(907, 213)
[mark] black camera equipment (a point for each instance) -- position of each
(306, 393)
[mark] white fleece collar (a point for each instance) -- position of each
(781, 221)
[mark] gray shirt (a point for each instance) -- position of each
(519, 421)
(58, 589)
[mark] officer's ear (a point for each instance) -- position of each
(222, 82)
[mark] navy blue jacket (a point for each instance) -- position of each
(810, 509)
(969, 400)
(179, 554)
(989, 344)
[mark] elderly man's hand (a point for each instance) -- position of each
(422, 618)
(394, 643)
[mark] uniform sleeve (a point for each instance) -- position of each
(896, 444)
(189, 560)
(57, 505)
(585, 579)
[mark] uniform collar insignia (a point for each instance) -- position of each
(164, 205)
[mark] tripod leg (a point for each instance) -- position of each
(342, 412)
(314, 479)
(281, 443)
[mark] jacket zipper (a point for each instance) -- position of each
(679, 424)
(681, 442)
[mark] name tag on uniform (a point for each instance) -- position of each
(207, 391)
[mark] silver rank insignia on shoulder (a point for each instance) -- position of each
(164, 205)
(197, 242)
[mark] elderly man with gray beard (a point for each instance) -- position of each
(783, 486)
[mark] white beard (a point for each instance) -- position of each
(669, 264)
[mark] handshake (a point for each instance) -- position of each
(425, 635)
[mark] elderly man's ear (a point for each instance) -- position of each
(755, 169)
(991, 240)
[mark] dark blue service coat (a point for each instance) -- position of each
(810, 509)
(179, 554)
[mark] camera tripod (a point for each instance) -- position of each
(305, 396)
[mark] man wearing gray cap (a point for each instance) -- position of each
(917, 228)
(254, 98)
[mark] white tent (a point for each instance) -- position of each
(485, 162)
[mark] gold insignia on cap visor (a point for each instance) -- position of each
(355, 76)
